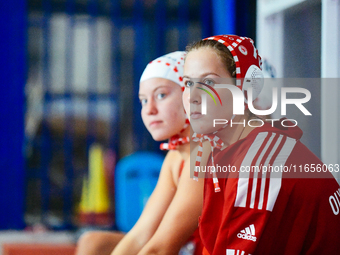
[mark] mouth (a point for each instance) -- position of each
(155, 123)
(196, 115)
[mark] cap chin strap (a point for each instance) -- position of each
(176, 140)
(215, 142)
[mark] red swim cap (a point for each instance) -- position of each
(248, 61)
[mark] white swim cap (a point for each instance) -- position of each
(169, 66)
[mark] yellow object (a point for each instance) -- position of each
(84, 200)
(95, 194)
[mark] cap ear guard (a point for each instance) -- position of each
(253, 79)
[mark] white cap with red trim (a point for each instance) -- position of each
(169, 66)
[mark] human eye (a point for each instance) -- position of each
(161, 95)
(143, 101)
(188, 83)
(209, 82)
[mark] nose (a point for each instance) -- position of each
(151, 107)
(195, 95)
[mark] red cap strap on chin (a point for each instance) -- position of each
(187, 124)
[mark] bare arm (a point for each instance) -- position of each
(181, 218)
(153, 212)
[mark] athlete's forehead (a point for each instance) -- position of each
(202, 62)
(202, 75)
(152, 85)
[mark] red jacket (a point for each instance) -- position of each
(277, 212)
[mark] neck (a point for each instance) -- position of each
(184, 149)
(232, 134)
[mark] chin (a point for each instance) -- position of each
(204, 125)
(160, 136)
(203, 130)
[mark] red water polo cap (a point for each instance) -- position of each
(248, 61)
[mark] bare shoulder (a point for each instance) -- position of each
(173, 163)
(173, 155)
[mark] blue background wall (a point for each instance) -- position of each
(12, 83)
(216, 17)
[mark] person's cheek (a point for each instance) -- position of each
(185, 101)
(144, 119)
